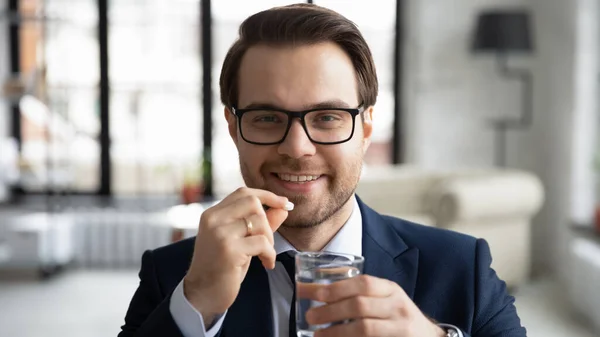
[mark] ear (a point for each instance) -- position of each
(367, 123)
(231, 124)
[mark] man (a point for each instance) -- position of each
(299, 88)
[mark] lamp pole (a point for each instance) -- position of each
(502, 126)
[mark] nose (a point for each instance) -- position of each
(297, 144)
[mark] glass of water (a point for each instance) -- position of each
(314, 269)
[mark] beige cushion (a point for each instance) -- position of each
(483, 198)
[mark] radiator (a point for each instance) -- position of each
(117, 239)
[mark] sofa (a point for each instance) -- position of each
(494, 204)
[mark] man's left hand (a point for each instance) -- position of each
(372, 306)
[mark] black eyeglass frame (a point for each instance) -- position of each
(300, 115)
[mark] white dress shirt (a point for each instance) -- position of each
(348, 241)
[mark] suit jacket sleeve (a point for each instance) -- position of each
(495, 312)
(148, 314)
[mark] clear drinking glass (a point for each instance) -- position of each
(318, 268)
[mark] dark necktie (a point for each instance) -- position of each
(288, 261)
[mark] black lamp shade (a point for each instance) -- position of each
(503, 31)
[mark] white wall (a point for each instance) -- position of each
(4, 73)
(451, 93)
(559, 147)
(546, 148)
(587, 89)
(4, 113)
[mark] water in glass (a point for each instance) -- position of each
(318, 272)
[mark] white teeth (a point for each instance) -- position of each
(294, 178)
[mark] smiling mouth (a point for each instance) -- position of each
(295, 178)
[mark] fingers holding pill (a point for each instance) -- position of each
(289, 206)
(230, 234)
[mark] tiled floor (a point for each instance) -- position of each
(545, 312)
(93, 303)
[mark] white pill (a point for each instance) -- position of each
(289, 206)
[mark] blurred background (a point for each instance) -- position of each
(112, 141)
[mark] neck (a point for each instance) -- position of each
(314, 239)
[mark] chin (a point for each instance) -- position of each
(312, 213)
(306, 220)
(306, 210)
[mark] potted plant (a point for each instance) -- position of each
(194, 178)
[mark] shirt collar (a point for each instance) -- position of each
(348, 239)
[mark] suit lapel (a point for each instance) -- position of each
(386, 254)
(251, 314)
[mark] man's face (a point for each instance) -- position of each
(299, 78)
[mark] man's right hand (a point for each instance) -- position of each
(223, 248)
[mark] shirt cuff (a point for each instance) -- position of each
(446, 326)
(188, 319)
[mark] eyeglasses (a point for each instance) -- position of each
(269, 126)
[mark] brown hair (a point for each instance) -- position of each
(296, 25)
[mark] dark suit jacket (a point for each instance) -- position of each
(446, 274)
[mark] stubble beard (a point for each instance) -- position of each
(309, 213)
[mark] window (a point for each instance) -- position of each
(59, 69)
(155, 111)
(155, 76)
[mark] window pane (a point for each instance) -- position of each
(60, 125)
(156, 113)
(377, 24)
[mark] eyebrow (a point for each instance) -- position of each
(330, 104)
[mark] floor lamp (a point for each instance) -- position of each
(503, 33)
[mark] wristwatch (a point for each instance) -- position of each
(451, 332)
